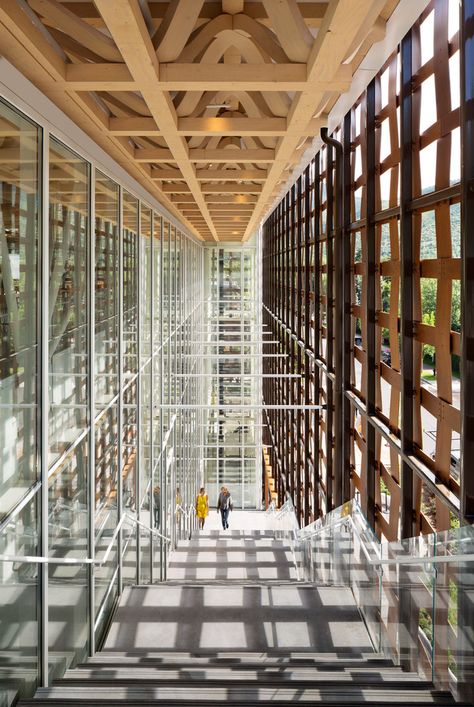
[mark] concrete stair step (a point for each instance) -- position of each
(195, 676)
(277, 657)
(238, 695)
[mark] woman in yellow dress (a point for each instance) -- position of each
(202, 507)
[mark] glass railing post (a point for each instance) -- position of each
(434, 613)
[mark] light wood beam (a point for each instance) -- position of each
(232, 175)
(153, 154)
(231, 126)
(71, 25)
(213, 175)
(232, 155)
(173, 33)
(169, 188)
(99, 77)
(204, 77)
(26, 43)
(342, 23)
(313, 12)
(126, 25)
(290, 28)
(244, 77)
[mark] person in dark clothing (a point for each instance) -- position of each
(224, 505)
(157, 506)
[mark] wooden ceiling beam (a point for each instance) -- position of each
(27, 44)
(224, 155)
(213, 175)
(153, 154)
(231, 199)
(231, 188)
(247, 77)
(312, 12)
(205, 127)
(203, 77)
(231, 175)
(125, 22)
(342, 24)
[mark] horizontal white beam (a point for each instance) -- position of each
(243, 407)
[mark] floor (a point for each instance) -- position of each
(240, 520)
(236, 590)
(248, 618)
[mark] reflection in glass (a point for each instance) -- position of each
(130, 284)
(68, 537)
(129, 444)
(19, 242)
(19, 581)
(230, 322)
(106, 289)
(68, 227)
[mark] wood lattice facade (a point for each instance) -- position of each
(364, 283)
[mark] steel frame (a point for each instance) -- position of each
(379, 259)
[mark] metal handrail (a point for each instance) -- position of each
(32, 559)
(435, 559)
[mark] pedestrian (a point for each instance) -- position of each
(224, 505)
(202, 507)
(157, 506)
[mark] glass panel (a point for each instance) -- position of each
(19, 600)
(106, 289)
(106, 476)
(68, 537)
(129, 442)
(19, 243)
(68, 340)
(130, 284)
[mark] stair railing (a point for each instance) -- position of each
(416, 596)
(36, 559)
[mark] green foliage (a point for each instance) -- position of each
(428, 350)
(425, 622)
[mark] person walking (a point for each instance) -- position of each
(224, 505)
(157, 506)
(202, 507)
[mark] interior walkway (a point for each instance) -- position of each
(236, 590)
(234, 625)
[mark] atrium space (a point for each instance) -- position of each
(236, 252)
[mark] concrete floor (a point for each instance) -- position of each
(227, 555)
(247, 618)
(239, 520)
(236, 591)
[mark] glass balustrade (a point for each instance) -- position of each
(416, 596)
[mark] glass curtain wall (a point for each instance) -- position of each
(100, 303)
(232, 352)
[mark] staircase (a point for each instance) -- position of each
(232, 624)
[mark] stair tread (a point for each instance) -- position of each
(210, 694)
(274, 654)
(274, 674)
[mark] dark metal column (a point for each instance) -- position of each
(347, 343)
(337, 303)
(307, 329)
(406, 288)
(329, 330)
(316, 416)
(467, 245)
(465, 657)
(370, 309)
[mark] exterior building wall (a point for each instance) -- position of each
(101, 294)
(362, 287)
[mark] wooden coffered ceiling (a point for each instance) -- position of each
(208, 104)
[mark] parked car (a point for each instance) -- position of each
(386, 356)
